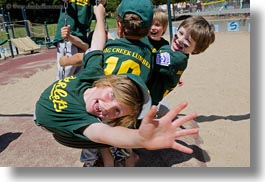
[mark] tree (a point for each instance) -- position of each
(112, 5)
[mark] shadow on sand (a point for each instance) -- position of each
(7, 138)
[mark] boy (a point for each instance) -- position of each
(78, 15)
(171, 61)
(194, 36)
(128, 53)
(158, 29)
(82, 112)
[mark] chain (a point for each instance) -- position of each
(65, 5)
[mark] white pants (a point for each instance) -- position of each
(68, 50)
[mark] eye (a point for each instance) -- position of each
(180, 32)
(112, 96)
(186, 45)
(117, 111)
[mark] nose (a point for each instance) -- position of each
(109, 110)
(181, 41)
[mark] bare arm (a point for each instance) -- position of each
(65, 34)
(74, 60)
(99, 35)
(98, 39)
(153, 133)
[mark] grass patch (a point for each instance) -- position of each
(20, 30)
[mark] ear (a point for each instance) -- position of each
(119, 29)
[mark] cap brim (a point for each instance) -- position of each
(146, 95)
(146, 105)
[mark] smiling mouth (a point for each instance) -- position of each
(153, 33)
(98, 107)
(179, 47)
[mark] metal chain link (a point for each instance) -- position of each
(65, 5)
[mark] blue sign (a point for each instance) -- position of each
(216, 27)
(233, 26)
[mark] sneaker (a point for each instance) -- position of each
(96, 163)
(88, 164)
(119, 154)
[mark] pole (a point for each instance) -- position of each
(47, 32)
(169, 20)
(25, 21)
(12, 27)
(7, 33)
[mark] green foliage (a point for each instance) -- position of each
(20, 31)
(112, 5)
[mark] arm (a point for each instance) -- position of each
(98, 39)
(99, 36)
(75, 60)
(65, 34)
(153, 133)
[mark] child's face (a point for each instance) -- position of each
(183, 42)
(156, 30)
(102, 103)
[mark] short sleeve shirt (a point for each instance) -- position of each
(61, 107)
(128, 56)
(169, 66)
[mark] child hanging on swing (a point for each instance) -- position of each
(90, 109)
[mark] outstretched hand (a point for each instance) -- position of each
(162, 133)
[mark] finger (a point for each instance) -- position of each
(151, 114)
(182, 148)
(180, 121)
(173, 113)
(186, 132)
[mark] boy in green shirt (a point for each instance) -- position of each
(80, 111)
(194, 35)
(78, 15)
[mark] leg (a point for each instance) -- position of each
(131, 161)
(107, 157)
(89, 157)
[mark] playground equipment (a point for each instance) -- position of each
(25, 44)
(5, 25)
(35, 35)
(38, 32)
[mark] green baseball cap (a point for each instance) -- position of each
(147, 101)
(143, 8)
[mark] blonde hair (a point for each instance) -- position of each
(162, 17)
(126, 92)
(201, 31)
(132, 25)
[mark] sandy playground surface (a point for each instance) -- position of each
(216, 85)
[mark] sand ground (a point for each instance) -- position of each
(216, 85)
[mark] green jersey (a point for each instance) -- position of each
(156, 44)
(79, 17)
(168, 69)
(128, 56)
(61, 108)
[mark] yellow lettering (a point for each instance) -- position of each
(58, 92)
(129, 64)
(122, 51)
(80, 2)
(141, 59)
(179, 72)
(165, 93)
(111, 64)
(59, 105)
(107, 50)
